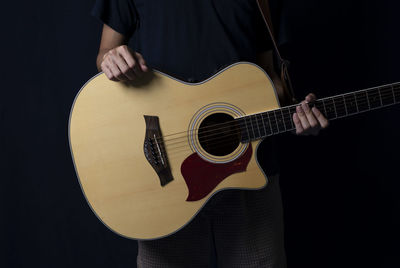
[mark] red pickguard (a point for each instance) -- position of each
(202, 176)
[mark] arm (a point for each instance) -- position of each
(116, 59)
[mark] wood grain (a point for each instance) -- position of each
(107, 130)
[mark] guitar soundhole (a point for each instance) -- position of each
(219, 134)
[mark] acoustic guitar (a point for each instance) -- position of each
(149, 154)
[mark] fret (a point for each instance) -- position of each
(271, 131)
(270, 124)
(330, 108)
(254, 124)
(273, 123)
(287, 118)
(345, 107)
(267, 125)
(280, 120)
(283, 120)
(292, 111)
(380, 96)
(291, 117)
(319, 105)
(350, 102)
(250, 128)
(369, 105)
(334, 106)
(362, 101)
(276, 120)
(374, 98)
(260, 124)
(387, 97)
(323, 105)
(340, 106)
(356, 101)
(244, 130)
(394, 97)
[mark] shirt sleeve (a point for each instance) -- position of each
(120, 15)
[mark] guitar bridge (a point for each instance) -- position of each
(154, 150)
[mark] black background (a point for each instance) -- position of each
(340, 190)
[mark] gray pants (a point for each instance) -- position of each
(243, 228)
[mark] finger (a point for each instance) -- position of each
(311, 97)
(130, 61)
(108, 73)
(142, 62)
(320, 117)
(297, 123)
(302, 117)
(310, 116)
(123, 67)
(115, 70)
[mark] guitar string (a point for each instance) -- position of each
(279, 123)
(395, 86)
(218, 144)
(184, 149)
(187, 148)
(227, 124)
(233, 123)
(342, 105)
(228, 136)
(234, 132)
(383, 96)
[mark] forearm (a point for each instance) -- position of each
(116, 59)
(100, 58)
(110, 39)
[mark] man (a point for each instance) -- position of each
(191, 40)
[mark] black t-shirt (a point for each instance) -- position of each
(192, 39)
(189, 39)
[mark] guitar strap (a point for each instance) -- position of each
(284, 64)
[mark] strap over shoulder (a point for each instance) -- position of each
(263, 5)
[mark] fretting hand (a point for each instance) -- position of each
(309, 121)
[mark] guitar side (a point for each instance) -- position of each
(107, 131)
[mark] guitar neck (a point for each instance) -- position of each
(261, 125)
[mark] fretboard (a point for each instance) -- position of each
(261, 125)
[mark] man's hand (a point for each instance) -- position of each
(309, 121)
(123, 64)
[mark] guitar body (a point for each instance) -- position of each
(107, 133)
